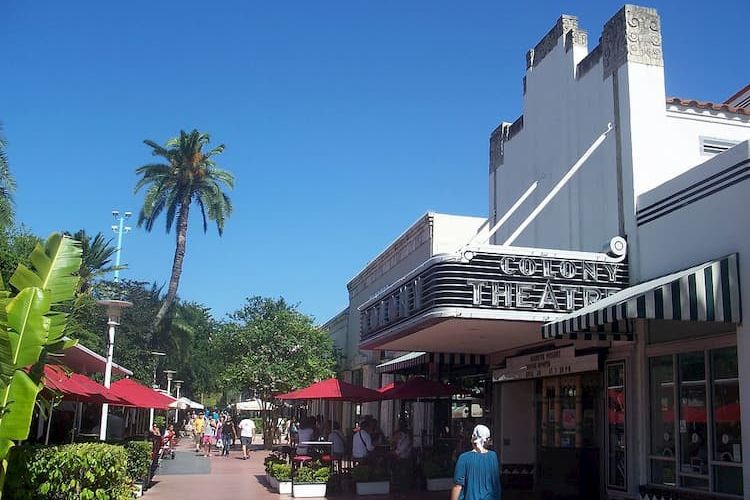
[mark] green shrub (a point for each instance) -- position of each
(281, 471)
(160, 421)
(89, 471)
(270, 460)
(258, 425)
(311, 475)
(139, 459)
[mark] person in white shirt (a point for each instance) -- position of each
(306, 433)
(401, 444)
(362, 442)
(247, 431)
(338, 448)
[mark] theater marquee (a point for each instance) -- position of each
(497, 278)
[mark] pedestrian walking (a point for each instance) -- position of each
(226, 435)
(477, 474)
(247, 430)
(209, 433)
(199, 425)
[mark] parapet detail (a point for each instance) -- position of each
(632, 35)
(502, 134)
(549, 41)
(497, 145)
(576, 36)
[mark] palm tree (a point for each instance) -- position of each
(97, 258)
(7, 185)
(187, 174)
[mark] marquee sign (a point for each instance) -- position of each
(534, 281)
(546, 364)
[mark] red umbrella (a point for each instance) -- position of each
(418, 388)
(334, 390)
(139, 395)
(77, 387)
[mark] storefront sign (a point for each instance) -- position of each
(546, 364)
(546, 283)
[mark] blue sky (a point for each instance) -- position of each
(344, 120)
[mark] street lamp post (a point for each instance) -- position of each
(154, 385)
(170, 376)
(114, 310)
(177, 385)
(120, 228)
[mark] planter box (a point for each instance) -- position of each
(374, 488)
(273, 482)
(138, 490)
(285, 487)
(309, 490)
(439, 484)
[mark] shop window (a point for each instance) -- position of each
(569, 416)
(727, 444)
(616, 437)
(696, 443)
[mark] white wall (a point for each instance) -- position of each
(451, 232)
(562, 118)
(569, 100)
(685, 128)
(707, 229)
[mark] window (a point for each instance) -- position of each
(695, 421)
(616, 437)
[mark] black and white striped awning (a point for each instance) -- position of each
(708, 292)
(413, 359)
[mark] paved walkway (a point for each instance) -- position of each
(191, 475)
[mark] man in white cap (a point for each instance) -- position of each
(477, 474)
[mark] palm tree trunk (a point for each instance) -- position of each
(179, 257)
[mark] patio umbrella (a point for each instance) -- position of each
(139, 395)
(418, 388)
(334, 390)
(184, 403)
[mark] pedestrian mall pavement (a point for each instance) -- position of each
(191, 475)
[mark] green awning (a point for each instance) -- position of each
(707, 292)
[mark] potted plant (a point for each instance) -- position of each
(310, 481)
(281, 475)
(269, 462)
(371, 480)
(139, 464)
(438, 473)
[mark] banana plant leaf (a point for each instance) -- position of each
(18, 399)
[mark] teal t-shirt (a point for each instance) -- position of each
(479, 474)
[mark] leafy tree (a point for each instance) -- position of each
(134, 340)
(32, 325)
(193, 333)
(271, 347)
(187, 174)
(7, 185)
(16, 244)
(97, 258)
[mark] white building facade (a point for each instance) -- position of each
(631, 367)
(432, 234)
